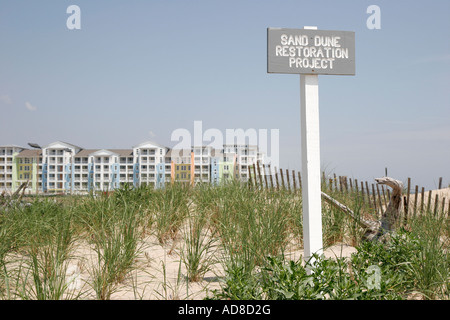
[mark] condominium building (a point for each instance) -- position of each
(62, 167)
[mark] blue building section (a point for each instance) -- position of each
(215, 177)
(115, 182)
(160, 175)
(44, 177)
(136, 175)
(67, 177)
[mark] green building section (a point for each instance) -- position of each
(25, 169)
(226, 171)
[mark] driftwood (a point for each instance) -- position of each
(374, 229)
(371, 227)
(390, 216)
(7, 200)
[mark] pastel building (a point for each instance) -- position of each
(28, 164)
(215, 160)
(227, 169)
(62, 167)
(8, 172)
(182, 165)
(244, 156)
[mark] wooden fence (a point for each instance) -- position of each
(373, 195)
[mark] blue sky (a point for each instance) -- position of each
(138, 70)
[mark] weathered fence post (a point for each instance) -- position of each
(375, 200)
(259, 175)
(379, 200)
(436, 201)
(299, 180)
(265, 176)
(416, 191)
(249, 177)
(282, 178)
(422, 199)
(407, 195)
(293, 179)
(287, 180)
(254, 173)
(429, 201)
(276, 179)
(271, 179)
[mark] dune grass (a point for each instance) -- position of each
(247, 232)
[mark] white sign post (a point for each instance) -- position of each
(310, 52)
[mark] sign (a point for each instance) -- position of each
(309, 51)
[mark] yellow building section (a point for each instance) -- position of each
(182, 172)
(24, 170)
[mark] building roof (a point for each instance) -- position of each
(123, 152)
(148, 142)
(12, 146)
(120, 152)
(66, 144)
(27, 153)
(85, 152)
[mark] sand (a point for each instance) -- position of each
(160, 274)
